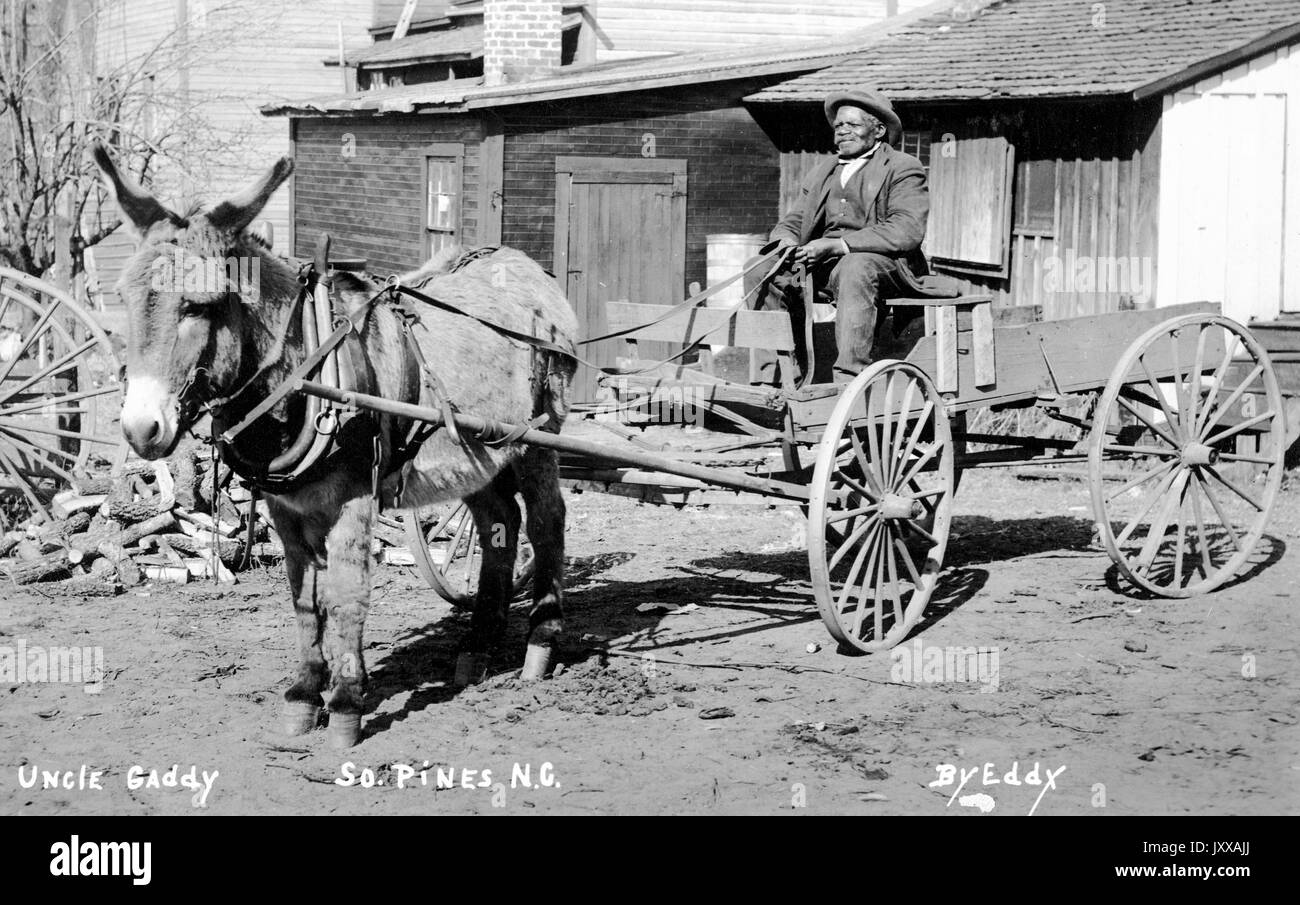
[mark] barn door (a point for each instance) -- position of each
(620, 235)
(1222, 210)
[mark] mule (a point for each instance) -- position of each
(231, 345)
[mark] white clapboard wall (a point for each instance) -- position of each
(637, 28)
(1230, 190)
(258, 53)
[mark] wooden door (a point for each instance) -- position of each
(620, 235)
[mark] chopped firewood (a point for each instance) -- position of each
(55, 565)
(91, 586)
(175, 574)
(230, 551)
(28, 550)
(185, 476)
(132, 511)
(166, 550)
(103, 566)
(9, 541)
(205, 521)
(128, 572)
(268, 550)
(397, 556)
(204, 568)
(63, 528)
(88, 543)
(392, 536)
(104, 484)
(68, 502)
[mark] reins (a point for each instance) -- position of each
(315, 439)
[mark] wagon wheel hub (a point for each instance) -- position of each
(1199, 454)
(893, 506)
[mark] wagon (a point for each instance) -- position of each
(1176, 412)
(59, 391)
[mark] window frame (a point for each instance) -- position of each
(453, 151)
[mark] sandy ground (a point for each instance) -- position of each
(726, 696)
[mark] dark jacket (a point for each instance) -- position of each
(894, 195)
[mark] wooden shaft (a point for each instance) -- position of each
(476, 425)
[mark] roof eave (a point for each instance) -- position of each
(420, 61)
(523, 94)
(1207, 67)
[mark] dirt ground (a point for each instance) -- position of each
(725, 694)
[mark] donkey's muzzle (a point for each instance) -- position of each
(149, 419)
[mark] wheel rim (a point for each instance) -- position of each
(58, 374)
(445, 543)
(880, 506)
(1202, 455)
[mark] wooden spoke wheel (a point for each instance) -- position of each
(880, 506)
(1186, 455)
(446, 545)
(59, 390)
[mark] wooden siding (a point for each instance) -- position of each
(244, 55)
(637, 28)
(1230, 208)
(372, 204)
(1099, 253)
(733, 168)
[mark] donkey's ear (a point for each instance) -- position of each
(140, 208)
(234, 215)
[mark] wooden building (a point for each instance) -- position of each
(613, 174)
(1090, 157)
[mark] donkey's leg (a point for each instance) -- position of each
(496, 515)
(346, 593)
(302, 702)
(539, 482)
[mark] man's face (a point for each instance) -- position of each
(856, 130)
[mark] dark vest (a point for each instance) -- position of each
(844, 211)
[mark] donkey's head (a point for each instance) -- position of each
(191, 290)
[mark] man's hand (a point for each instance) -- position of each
(817, 251)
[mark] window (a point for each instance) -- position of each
(1036, 198)
(442, 195)
(918, 145)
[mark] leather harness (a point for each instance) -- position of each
(331, 435)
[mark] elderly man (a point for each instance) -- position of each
(858, 224)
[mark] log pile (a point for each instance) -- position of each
(149, 521)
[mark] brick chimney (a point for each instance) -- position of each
(521, 40)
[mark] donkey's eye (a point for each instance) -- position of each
(195, 309)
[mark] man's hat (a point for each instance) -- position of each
(874, 103)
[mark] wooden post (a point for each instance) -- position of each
(945, 378)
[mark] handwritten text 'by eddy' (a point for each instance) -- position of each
(948, 774)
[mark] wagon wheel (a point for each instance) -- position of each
(445, 543)
(1206, 449)
(880, 506)
(58, 390)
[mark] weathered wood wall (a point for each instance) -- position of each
(1096, 252)
(732, 168)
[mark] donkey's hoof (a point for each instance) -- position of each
(345, 729)
(299, 717)
(537, 661)
(470, 669)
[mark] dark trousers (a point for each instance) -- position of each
(858, 282)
